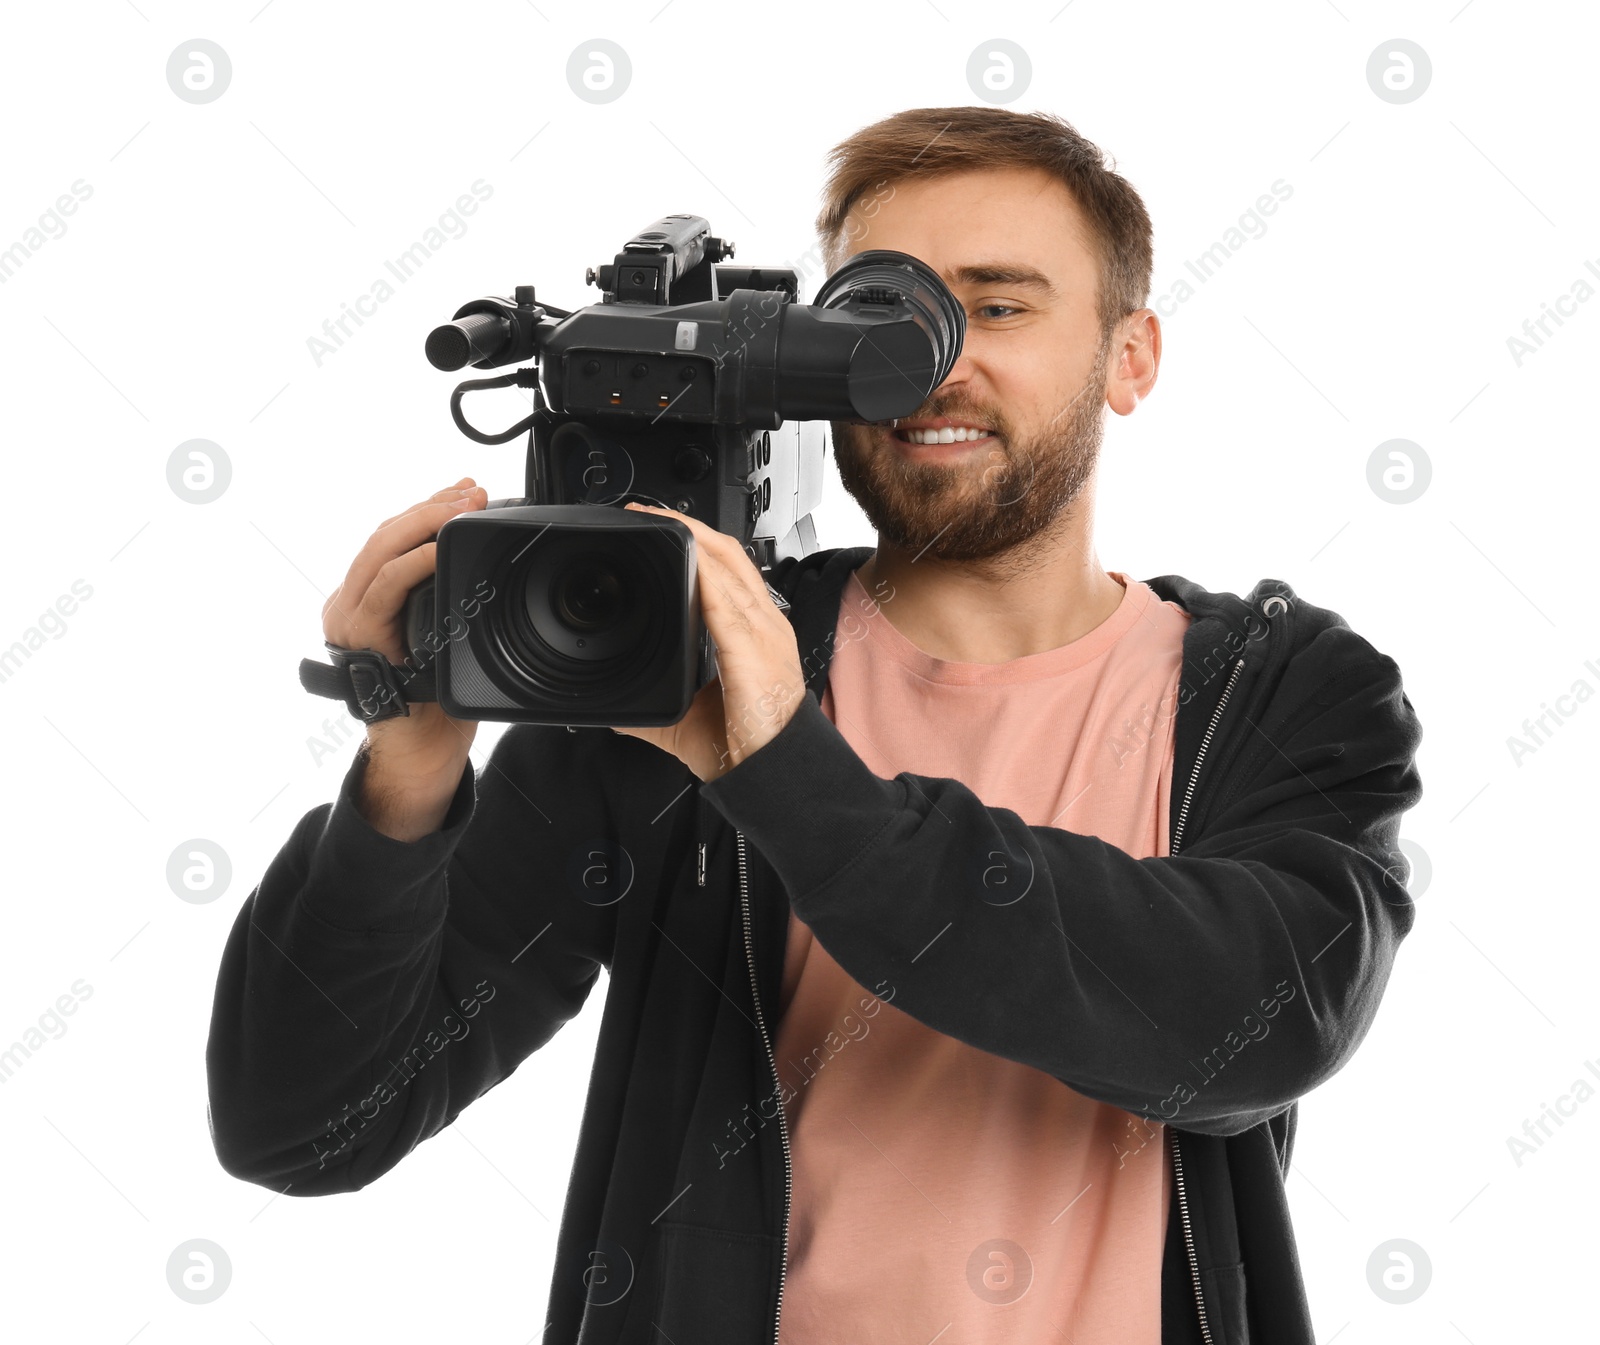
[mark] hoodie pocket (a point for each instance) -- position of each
(1224, 1288)
(713, 1285)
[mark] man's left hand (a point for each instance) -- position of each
(759, 680)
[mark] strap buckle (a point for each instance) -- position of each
(371, 687)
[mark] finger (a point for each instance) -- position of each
(727, 598)
(688, 522)
(731, 585)
(376, 625)
(466, 482)
(729, 602)
(346, 598)
(725, 548)
(446, 496)
(332, 605)
(401, 535)
(731, 573)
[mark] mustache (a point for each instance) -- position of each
(977, 419)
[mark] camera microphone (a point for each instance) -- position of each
(478, 336)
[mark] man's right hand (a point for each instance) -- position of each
(414, 761)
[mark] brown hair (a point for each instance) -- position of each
(928, 142)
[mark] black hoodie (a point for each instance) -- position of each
(371, 988)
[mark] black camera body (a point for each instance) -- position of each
(675, 390)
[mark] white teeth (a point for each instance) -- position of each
(946, 435)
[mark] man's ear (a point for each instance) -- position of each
(1134, 360)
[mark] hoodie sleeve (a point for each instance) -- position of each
(372, 988)
(1209, 989)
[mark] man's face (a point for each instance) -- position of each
(1032, 368)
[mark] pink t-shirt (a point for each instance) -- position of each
(942, 1193)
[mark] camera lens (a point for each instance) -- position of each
(585, 600)
(587, 613)
(588, 595)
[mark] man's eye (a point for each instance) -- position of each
(1004, 308)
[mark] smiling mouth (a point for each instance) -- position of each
(939, 438)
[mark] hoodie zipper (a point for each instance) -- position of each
(783, 1125)
(1177, 1156)
(1188, 1235)
(1200, 756)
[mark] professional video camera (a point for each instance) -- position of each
(673, 390)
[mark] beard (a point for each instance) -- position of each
(992, 500)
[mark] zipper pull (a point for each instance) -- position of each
(701, 879)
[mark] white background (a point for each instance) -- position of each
(217, 239)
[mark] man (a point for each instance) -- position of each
(1029, 898)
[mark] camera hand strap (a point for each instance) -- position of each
(370, 686)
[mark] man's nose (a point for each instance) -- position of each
(960, 373)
